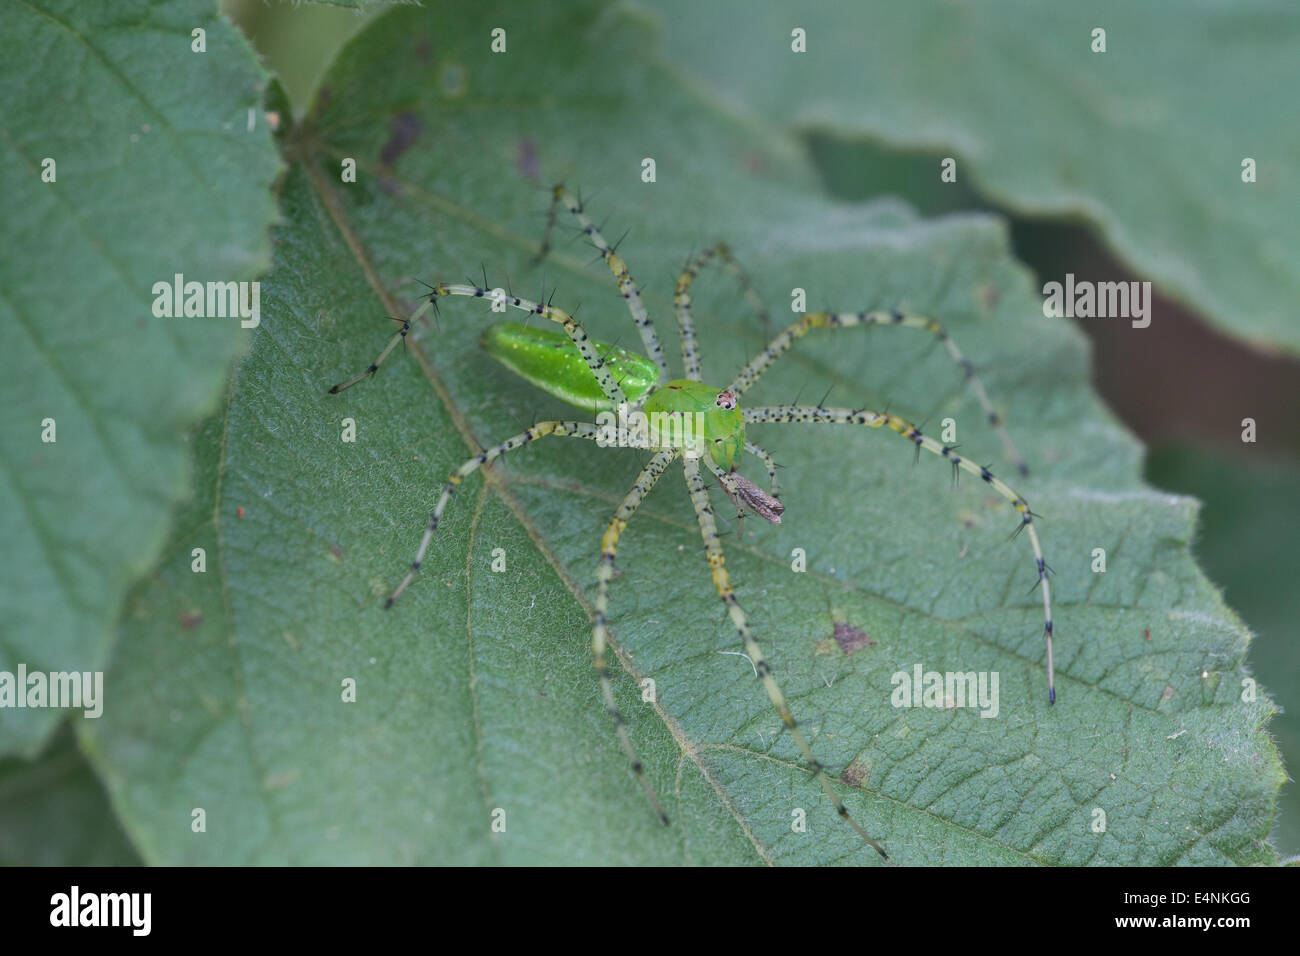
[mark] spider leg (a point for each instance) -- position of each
(626, 284)
(540, 430)
(768, 462)
(682, 301)
(577, 334)
(650, 474)
(863, 416)
(831, 320)
(399, 336)
(722, 584)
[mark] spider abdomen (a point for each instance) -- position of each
(548, 359)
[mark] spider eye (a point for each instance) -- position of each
(726, 400)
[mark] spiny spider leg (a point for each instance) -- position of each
(599, 370)
(863, 416)
(626, 285)
(650, 474)
(540, 430)
(682, 301)
(829, 320)
(402, 332)
(722, 584)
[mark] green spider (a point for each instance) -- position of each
(604, 379)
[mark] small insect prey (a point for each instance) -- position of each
(744, 492)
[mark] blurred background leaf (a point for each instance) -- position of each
(54, 812)
(158, 173)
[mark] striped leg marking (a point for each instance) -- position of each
(404, 329)
(862, 416)
(600, 632)
(682, 301)
(626, 285)
(722, 584)
(540, 430)
(833, 320)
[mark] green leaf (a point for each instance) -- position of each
(155, 173)
(54, 812)
(475, 692)
(1144, 141)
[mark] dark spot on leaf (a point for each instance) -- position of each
(191, 619)
(454, 81)
(406, 130)
(526, 159)
(855, 774)
(424, 50)
(851, 638)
